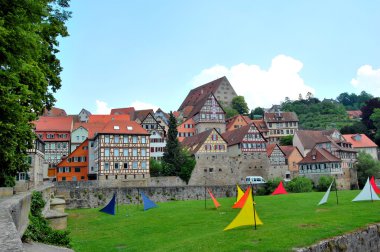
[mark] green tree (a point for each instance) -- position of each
(286, 140)
(29, 74)
(187, 166)
(239, 104)
(300, 184)
(155, 168)
(375, 117)
(366, 167)
(258, 111)
(230, 112)
(172, 155)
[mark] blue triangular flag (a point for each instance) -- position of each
(110, 207)
(148, 204)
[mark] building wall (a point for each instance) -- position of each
(186, 129)
(237, 123)
(225, 93)
(371, 151)
(57, 145)
(157, 145)
(127, 155)
(293, 160)
(78, 136)
(297, 143)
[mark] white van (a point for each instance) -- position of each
(254, 180)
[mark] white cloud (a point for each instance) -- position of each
(367, 79)
(138, 105)
(102, 108)
(261, 87)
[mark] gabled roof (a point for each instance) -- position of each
(309, 138)
(261, 125)
(85, 111)
(280, 117)
(77, 125)
(159, 110)
(196, 142)
(197, 94)
(319, 155)
(54, 112)
(288, 150)
(236, 136)
(123, 127)
(197, 108)
(359, 141)
(47, 123)
(124, 111)
(230, 121)
(142, 114)
(271, 147)
(79, 151)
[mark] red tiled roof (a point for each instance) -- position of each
(236, 136)
(47, 123)
(288, 150)
(270, 148)
(280, 117)
(359, 141)
(124, 111)
(79, 124)
(197, 94)
(142, 114)
(320, 156)
(309, 138)
(106, 118)
(54, 112)
(354, 113)
(176, 114)
(94, 128)
(123, 127)
(79, 151)
(260, 125)
(230, 121)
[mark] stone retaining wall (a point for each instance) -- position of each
(14, 218)
(367, 240)
(83, 195)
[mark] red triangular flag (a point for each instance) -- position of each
(374, 186)
(280, 189)
(242, 200)
(216, 203)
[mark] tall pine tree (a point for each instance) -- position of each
(173, 159)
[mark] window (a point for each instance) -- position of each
(143, 139)
(125, 152)
(116, 139)
(116, 166)
(67, 169)
(106, 166)
(82, 177)
(77, 169)
(107, 152)
(143, 164)
(143, 152)
(134, 165)
(63, 178)
(60, 169)
(134, 152)
(134, 139)
(125, 165)
(116, 152)
(106, 139)
(125, 140)
(52, 146)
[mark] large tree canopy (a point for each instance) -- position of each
(239, 104)
(29, 74)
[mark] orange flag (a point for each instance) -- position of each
(242, 200)
(216, 203)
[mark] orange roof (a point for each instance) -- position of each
(288, 150)
(79, 124)
(123, 111)
(271, 147)
(176, 114)
(78, 152)
(107, 118)
(54, 112)
(47, 123)
(359, 140)
(123, 127)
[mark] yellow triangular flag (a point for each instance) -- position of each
(240, 193)
(245, 216)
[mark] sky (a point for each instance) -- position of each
(150, 54)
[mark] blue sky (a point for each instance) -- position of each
(151, 53)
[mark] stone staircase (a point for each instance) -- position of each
(56, 215)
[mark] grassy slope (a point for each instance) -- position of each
(290, 221)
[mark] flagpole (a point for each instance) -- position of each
(254, 207)
(336, 191)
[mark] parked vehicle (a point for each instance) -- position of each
(254, 180)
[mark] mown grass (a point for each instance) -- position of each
(290, 221)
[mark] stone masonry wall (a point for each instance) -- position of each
(84, 195)
(367, 240)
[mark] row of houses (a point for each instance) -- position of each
(118, 146)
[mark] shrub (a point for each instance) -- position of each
(39, 229)
(272, 184)
(324, 183)
(300, 184)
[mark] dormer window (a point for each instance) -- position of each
(313, 157)
(116, 127)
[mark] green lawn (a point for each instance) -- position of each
(292, 220)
